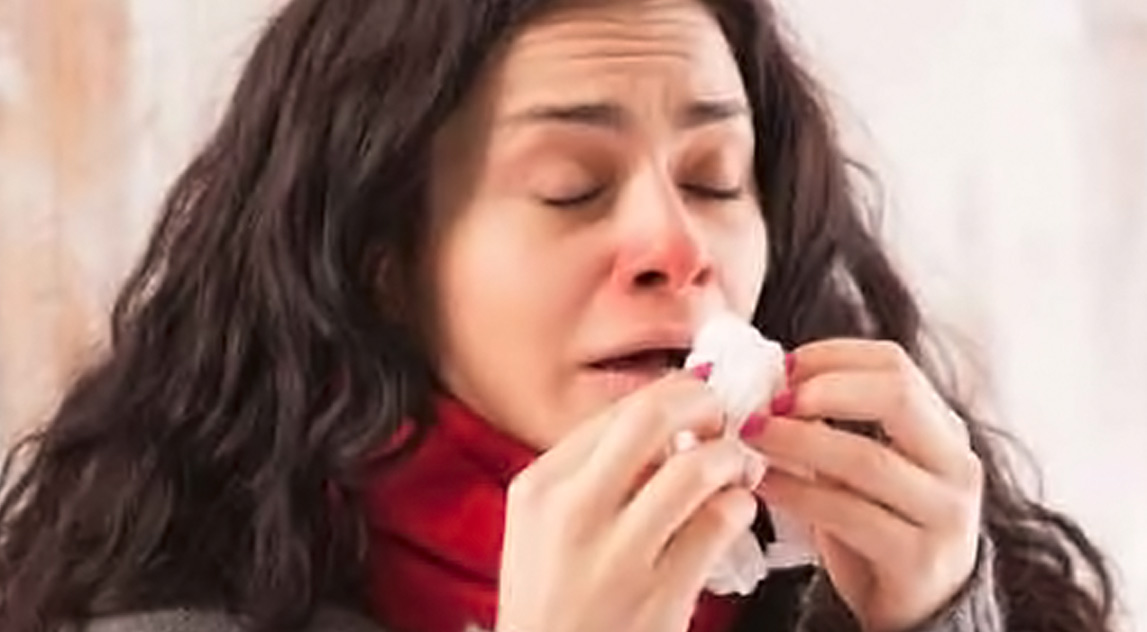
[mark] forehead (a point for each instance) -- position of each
(618, 50)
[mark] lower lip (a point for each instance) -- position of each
(618, 383)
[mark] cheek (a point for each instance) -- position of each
(483, 298)
(507, 300)
(508, 277)
(743, 256)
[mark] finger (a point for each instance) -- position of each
(575, 450)
(872, 531)
(709, 533)
(911, 414)
(679, 488)
(839, 354)
(864, 466)
(641, 432)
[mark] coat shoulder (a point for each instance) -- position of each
(327, 620)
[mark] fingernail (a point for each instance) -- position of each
(782, 404)
(754, 425)
(790, 364)
(702, 371)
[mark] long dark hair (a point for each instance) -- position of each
(267, 344)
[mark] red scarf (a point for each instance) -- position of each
(436, 530)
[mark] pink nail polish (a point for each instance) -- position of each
(782, 404)
(754, 425)
(702, 371)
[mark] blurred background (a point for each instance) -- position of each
(1009, 136)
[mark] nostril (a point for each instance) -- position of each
(650, 278)
(655, 278)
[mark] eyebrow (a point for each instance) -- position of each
(613, 116)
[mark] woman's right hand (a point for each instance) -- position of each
(603, 532)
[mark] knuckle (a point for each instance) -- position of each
(708, 404)
(901, 396)
(524, 489)
(967, 472)
(700, 470)
(973, 471)
(535, 493)
(810, 394)
(902, 367)
(959, 426)
(693, 471)
(732, 510)
(959, 514)
(713, 470)
(895, 355)
(699, 405)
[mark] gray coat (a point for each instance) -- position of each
(329, 620)
(975, 609)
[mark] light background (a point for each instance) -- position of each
(1010, 136)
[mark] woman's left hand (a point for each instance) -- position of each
(897, 525)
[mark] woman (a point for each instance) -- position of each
(406, 344)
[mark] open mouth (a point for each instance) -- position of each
(645, 361)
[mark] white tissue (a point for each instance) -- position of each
(748, 370)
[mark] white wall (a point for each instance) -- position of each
(1012, 137)
(101, 102)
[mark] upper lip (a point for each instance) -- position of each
(673, 340)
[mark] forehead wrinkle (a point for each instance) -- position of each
(620, 30)
(653, 59)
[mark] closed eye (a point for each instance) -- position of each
(714, 193)
(697, 190)
(576, 200)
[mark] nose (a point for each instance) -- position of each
(662, 246)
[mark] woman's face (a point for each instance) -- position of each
(593, 201)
